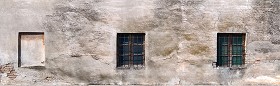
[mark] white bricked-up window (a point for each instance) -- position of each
(130, 50)
(31, 49)
(231, 49)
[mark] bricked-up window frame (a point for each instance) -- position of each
(19, 45)
(231, 49)
(130, 50)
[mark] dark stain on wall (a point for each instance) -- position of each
(199, 49)
(269, 11)
(273, 20)
(190, 37)
(81, 75)
(168, 51)
(163, 44)
(264, 50)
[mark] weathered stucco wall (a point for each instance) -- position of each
(181, 41)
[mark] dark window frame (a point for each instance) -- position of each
(121, 63)
(231, 43)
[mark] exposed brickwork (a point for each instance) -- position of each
(9, 69)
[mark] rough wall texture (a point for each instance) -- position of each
(181, 41)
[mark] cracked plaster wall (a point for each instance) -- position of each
(181, 38)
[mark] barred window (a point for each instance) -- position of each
(130, 50)
(231, 49)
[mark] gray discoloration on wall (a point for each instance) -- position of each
(180, 41)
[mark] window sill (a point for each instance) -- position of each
(232, 68)
(138, 67)
(237, 68)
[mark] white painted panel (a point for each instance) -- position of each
(32, 50)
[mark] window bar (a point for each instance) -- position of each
(228, 47)
(230, 50)
(134, 44)
(118, 61)
(130, 50)
(143, 52)
(243, 48)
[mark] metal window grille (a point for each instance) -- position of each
(130, 50)
(231, 49)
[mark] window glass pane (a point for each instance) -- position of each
(138, 39)
(237, 50)
(224, 60)
(124, 60)
(237, 60)
(237, 40)
(123, 50)
(223, 40)
(224, 50)
(137, 62)
(137, 49)
(123, 39)
(138, 59)
(234, 40)
(220, 62)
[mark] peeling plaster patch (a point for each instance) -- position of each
(9, 70)
(73, 23)
(73, 18)
(226, 76)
